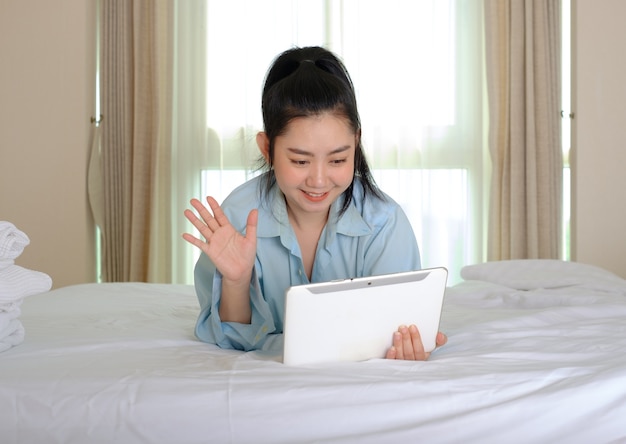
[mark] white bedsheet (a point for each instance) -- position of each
(108, 363)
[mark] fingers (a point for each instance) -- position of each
(209, 221)
(206, 221)
(200, 226)
(407, 345)
(251, 224)
(218, 218)
(441, 339)
(392, 353)
(414, 349)
(398, 349)
(195, 241)
(215, 218)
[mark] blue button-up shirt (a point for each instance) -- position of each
(372, 237)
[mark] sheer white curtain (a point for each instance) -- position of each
(190, 149)
(417, 66)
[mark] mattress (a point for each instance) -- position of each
(535, 354)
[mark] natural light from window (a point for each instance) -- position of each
(412, 83)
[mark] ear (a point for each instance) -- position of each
(263, 143)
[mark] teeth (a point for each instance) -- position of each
(315, 194)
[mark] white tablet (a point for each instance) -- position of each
(354, 319)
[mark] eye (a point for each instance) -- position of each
(299, 162)
(338, 161)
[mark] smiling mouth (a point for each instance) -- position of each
(315, 197)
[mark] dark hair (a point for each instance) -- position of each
(305, 82)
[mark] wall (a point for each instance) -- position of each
(46, 101)
(599, 134)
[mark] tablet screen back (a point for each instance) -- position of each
(354, 319)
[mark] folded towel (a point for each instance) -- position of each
(12, 335)
(8, 312)
(18, 282)
(12, 243)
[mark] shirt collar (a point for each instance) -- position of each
(273, 219)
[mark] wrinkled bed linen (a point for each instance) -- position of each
(119, 363)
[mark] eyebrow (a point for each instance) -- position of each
(302, 152)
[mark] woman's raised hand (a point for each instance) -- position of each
(231, 252)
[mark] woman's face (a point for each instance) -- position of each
(313, 163)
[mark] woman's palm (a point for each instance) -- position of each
(232, 252)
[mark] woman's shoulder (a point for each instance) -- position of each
(242, 200)
(377, 211)
(369, 201)
(247, 191)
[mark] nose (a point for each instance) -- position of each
(317, 175)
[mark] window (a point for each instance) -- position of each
(417, 67)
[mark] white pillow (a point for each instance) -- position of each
(530, 274)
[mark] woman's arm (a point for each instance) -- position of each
(232, 254)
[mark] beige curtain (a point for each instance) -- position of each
(522, 40)
(135, 139)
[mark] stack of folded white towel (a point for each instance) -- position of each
(16, 283)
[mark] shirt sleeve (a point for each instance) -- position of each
(231, 335)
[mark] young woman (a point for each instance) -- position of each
(314, 215)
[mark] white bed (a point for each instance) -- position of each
(536, 354)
